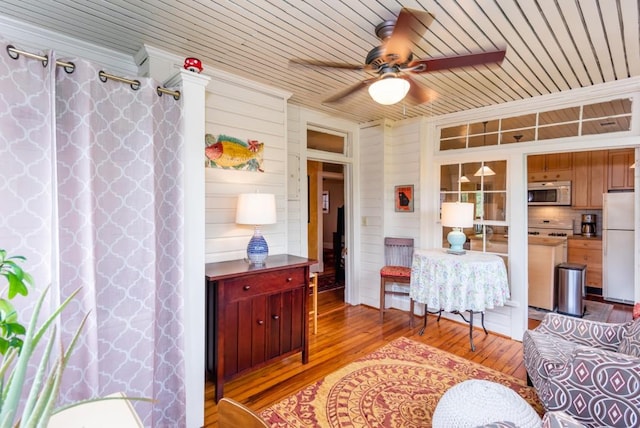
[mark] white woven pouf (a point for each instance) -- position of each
(478, 402)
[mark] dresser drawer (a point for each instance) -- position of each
(591, 258)
(268, 282)
(591, 244)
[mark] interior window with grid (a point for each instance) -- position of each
(485, 185)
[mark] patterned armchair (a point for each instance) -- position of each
(588, 369)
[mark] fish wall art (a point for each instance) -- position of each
(232, 153)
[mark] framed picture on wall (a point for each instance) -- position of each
(325, 201)
(403, 197)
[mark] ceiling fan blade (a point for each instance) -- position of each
(350, 90)
(409, 29)
(417, 93)
(330, 64)
(445, 63)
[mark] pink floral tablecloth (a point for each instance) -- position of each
(468, 282)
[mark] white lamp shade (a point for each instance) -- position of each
(389, 90)
(485, 170)
(457, 214)
(256, 208)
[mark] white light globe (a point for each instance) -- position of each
(389, 90)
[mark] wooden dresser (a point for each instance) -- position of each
(255, 315)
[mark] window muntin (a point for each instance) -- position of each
(589, 119)
(487, 190)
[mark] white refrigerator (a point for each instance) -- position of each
(618, 246)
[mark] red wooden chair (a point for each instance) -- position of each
(398, 256)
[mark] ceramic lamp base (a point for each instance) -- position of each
(257, 250)
(456, 239)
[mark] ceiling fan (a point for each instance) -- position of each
(394, 63)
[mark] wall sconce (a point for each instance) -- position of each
(389, 90)
(457, 215)
(256, 209)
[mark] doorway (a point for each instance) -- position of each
(328, 206)
(595, 179)
(327, 226)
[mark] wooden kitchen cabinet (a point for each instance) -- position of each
(554, 166)
(589, 179)
(255, 315)
(620, 175)
(587, 251)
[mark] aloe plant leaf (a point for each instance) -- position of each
(14, 389)
(35, 388)
(45, 326)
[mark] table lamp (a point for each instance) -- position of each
(256, 209)
(457, 215)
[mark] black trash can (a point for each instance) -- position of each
(570, 280)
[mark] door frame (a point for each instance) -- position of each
(346, 160)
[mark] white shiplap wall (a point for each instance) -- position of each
(402, 167)
(390, 156)
(296, 183)
(244, 110)
(371, 199)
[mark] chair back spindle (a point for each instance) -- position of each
(398, 251)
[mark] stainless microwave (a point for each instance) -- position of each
(549, 193)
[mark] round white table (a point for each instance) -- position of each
(458, 283)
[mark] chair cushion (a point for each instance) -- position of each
(630, 343)
(559, 420)
(601, 335)
(396, 271)
(545, 355)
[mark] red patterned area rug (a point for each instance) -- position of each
(396, 386)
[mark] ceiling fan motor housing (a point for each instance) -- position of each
(377, 57)
(385, 29)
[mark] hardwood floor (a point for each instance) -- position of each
(346, 333)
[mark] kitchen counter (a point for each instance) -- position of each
(495, 243)
(498, 243)
(550, 241)
(545, 253)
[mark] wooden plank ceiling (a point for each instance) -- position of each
(552, 45)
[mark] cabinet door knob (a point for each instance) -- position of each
(289, 279)
(246, 287)
(276, 317)
(260, 322)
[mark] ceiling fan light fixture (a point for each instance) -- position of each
(389, 90)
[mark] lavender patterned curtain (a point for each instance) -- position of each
(26, 165)
(115, 197)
